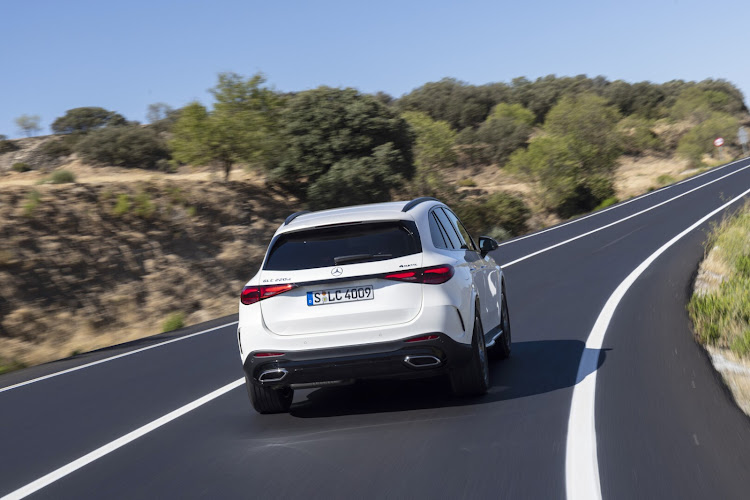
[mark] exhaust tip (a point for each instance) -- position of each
(422, 361)
(274, 375)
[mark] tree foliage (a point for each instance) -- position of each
(506, 129)
(85, 119)
(28, 124)
(127, 146)
(329, 132)
(500, 215)
(574, 161)
(241, 127)
(699, 140)
(433, 150)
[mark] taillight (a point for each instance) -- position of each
(267, 354)
(437, 275)
(434, 275)
(253, 294)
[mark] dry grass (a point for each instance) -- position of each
(637, 175)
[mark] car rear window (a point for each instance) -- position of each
(347, 243)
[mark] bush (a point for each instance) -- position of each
(20, 167)
(7, 146)
(467, 182)
(665, 179)
(144, 207)
(32, 201)
(174, 321)
(607, 202)
(500, 214)
(56, 148)
(62, 177)
(699, 140)
(129, 146)
(122, 206)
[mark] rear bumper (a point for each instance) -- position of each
(396, 359)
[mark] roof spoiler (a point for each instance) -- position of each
(294, 216)
(416, 201)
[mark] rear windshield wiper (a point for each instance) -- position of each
(362, 257)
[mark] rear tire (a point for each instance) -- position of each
(268, 399)
(473, 379)
(502, 347)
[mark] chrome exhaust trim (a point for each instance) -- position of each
(275, 375)
(422, 361)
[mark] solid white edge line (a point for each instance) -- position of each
(618, 205)
(581, 461)
(533, 254)
(100, 361)
(98, 453)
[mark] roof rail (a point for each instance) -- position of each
(295, 215)
(416, 201)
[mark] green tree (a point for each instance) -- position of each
(28, 124)
(158, 111)
(241, 128)
(329, 135)
(698, 141)
(575, 160)
(433, 150)
(506, 129)
(82, 120)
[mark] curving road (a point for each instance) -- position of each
(605, 395)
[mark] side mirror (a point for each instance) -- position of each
(486, 245)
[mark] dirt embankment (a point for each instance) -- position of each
(84, 266)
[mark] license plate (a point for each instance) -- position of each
(336, 295)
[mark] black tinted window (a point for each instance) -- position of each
(439, 239)
(448, 232)
(462, 230)
(344, 244)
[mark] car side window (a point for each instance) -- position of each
(465, 236)
(448, 232)
(439, 239)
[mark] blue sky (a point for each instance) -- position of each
(57, 55)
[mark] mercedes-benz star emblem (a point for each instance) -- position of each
(337, 271)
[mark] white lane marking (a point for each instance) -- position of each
(528, 256)
(108, 448)
(631, 200)
(100, 361)
(581, 463)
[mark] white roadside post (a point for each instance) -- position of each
(742, 136)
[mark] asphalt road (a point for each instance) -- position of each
(665, 426)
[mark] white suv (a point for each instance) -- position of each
(389, 290)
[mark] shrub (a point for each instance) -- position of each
(467, 182)
(174, 321)
(607, 202)
(57, 148)
(698, 141)
(20, 167)
(7, 146)
(32, 201)
(500, 213)
(62, 177)
(129, 146)
(665, 179)
(144, 207)
(122, 206)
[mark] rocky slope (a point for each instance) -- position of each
(88, 265)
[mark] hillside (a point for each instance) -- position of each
(112, 256)
(92, 264)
